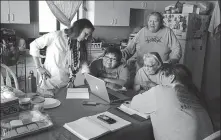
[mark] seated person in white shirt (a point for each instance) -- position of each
(146, 76)
(64, 54)
(175, 111)
(111, 69)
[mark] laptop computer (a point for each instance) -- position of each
(98, 88)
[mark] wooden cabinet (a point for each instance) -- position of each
(121, 14)
(15, 12)
(108, 13)
(150, 5)
(140, 4)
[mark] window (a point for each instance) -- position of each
(48, 22)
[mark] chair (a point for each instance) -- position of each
(8, 73)
(214, 136)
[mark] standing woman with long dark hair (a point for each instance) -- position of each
(65, 54)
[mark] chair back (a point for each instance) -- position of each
(8, 74)
(214, 136)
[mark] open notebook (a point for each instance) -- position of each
(89, 128)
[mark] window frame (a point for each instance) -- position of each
(58, 27)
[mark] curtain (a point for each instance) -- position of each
(64, 11)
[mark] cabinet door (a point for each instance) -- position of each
(103, 13)
(121, 14)
(137, 4)
(5, 12)
(19, 12)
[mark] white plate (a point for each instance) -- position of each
(51, 103)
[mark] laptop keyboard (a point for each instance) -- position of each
(112, 97)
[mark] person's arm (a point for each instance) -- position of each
(115, 81)
(124, 76)
(175, 47)
(145, 102)
(130, 50)
(35, 47)
(137, 81)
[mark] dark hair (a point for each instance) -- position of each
(182, 75)
(114, 50)
(78, 26)
(157, 14)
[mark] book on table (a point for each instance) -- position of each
(128, 110)
(77, 93)
(89, 128)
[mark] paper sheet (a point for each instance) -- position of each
(77, 93)
(126, 108)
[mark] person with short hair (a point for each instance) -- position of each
(65, 54)
(154, 37)
(175, 110)
(110, 69)
(146, 76)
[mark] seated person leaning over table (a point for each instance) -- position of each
(110, 69)
(175, 110)
(146, 76)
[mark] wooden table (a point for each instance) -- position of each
(72, 109)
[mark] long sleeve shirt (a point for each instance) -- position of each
(164, 42)
(57, 54)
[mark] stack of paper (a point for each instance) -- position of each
(89, 128)
(126, 108)
(77, 93)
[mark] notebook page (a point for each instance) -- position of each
(86, 129)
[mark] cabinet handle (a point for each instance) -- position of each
(112, 21)
(8, 17)
(145, 5)
(12, 17)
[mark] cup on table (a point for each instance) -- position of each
(38, 103)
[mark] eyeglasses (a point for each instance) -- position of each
(110, 59)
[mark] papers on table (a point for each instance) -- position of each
(126, 108)
(88, 128)
(77, 93)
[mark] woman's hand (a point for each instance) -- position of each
(85, 68)
(42, 71)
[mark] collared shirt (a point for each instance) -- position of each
(57, 54)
